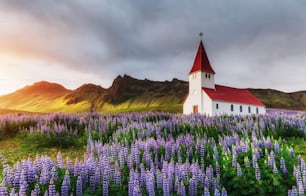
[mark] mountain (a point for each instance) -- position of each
(33, 98)
(125, 94)
(278, 99)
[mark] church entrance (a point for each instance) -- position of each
(195, 109)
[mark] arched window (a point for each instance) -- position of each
(232, 107)
(241, 108)
(217, 106)
(249, 109)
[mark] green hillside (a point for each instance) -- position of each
(277, 99)
(126, 94)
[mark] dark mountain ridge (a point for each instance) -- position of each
(126, 94)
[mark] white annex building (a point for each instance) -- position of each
(206, 97)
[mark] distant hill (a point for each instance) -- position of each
(125, 94)
(278, 99)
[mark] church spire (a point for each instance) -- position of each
(201, 62)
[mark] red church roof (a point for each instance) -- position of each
(235, 95)
(201, 62)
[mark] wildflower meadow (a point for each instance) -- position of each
(157, 154)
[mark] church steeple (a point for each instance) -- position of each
(201, 62)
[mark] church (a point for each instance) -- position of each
(206, 97)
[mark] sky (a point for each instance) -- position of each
(256, 44)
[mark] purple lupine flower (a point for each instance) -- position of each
(136, 191)
(159, 179)
(3, 190)
(97, 177)
(60, 162)
(92, 184)
(44, 176)
(105, 185)
(192, 187)
(291, 153)
(77, 167)
(234, 160)
(54, 174)
(150, 183)
(65, 188)
(206, 191)
(215, 183)
(275, 170)
(142, 175)
(283, 166)
(224, 192)
(51, 189)
(254, 160)
(293, 191)
(181, 189)
(131, 183)
(35, 191)
(300, 187)
(23, 188)
(239, 171)
(218, 169)
(78, 188)
(217, 192)
(246, 162)
(117, 176)
(69, 165)
(13, 192)
(166, 186)
(257, 172)
(276, 147)
(121, 158)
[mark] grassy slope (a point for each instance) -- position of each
(126, 94)
(277, 99)
(14, 150)
(8, 111)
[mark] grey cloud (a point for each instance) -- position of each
(143, 37)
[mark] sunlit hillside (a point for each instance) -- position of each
(126, 94)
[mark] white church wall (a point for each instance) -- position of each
(225, 108)
(207, 105)
(193, 99)
(194, 96)
(208, 80)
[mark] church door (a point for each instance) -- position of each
(195, 109)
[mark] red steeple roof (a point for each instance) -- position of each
(201, 62)
(234, 95)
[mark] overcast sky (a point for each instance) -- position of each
(258, 44)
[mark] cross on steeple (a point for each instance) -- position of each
(201, 35)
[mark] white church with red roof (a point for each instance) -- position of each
(206, 97)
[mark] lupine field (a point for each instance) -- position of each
(157, 154)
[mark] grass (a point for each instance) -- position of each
(299, 146)
(14, 149)
(174, 108)
(8, 111)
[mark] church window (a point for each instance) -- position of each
(232, 107)
(249, 109)
(208, 75)
(217, 106)
(241, 108)
(256, 110)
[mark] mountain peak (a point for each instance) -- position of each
(44, 87)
